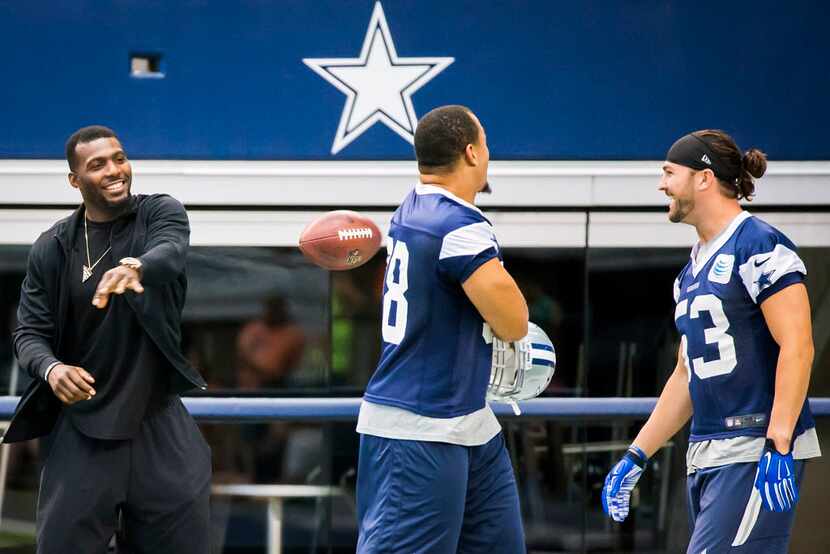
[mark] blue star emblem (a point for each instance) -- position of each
(764, 280)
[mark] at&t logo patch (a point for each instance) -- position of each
(721, 270)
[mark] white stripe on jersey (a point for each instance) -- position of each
(681, 309)
(763, 270)
(469, 240)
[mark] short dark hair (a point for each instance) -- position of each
(748, 166)
(82, 136)
(442, 137)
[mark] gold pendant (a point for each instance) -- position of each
(86, 274)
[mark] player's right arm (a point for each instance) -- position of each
(165, 252)
(35, 332)
(498, 299)
(673, 410)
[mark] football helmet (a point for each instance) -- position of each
(521, 369)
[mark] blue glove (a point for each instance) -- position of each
(775, 480)
(620, 481)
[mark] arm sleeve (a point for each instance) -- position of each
(35, 330)
(465, 249)
(168, 238)
(768, 264)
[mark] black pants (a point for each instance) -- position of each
(159, 481)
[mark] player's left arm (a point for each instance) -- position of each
(787, 314)
(166, 244)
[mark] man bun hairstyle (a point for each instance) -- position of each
(754, 162)
(82, 136)
(442, 137)
(744, 167)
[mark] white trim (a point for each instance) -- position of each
(385, 183)
(717, 244)
(632, 229)
(421, 188)
(775, 264)
(25, 226)
(228, 228)
(282, 228)
(628, 230)
(805, 229)
(469, 240)
(681, 309)
(513, 229)
(539, 229)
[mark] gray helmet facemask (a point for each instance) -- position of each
(520, 369)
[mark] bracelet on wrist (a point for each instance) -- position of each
(133, 263)
(638, 453)
(49, 369)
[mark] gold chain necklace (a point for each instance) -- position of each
(86, 272)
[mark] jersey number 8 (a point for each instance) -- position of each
(395, 308)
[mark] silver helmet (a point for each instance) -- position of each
(522, 369)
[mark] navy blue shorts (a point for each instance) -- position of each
(725, 513)
(423, 497)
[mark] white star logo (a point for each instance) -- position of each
(378, 85)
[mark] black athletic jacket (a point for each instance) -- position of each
(156, 230)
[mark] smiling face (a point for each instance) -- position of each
(103, 174)
(677, 184)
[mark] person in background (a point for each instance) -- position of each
(99, 332)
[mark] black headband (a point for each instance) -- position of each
(694, 152)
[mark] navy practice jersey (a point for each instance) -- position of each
(729, 352)
(435, 361)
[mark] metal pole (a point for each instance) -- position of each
(275, 525)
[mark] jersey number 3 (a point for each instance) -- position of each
(727, 360)
(395, 308)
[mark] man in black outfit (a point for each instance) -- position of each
(108, 369)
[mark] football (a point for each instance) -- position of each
(340, 240)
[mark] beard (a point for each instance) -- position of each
(93, 195)
(682, 208)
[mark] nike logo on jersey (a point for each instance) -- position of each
(762, 262)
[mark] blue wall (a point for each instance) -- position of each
(549, 80)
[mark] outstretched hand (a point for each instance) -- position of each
(116, 281)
